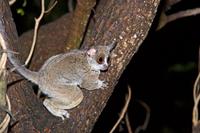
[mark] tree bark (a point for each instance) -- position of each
(126, 21)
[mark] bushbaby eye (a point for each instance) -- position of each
(100, 60)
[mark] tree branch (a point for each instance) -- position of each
(79, 23)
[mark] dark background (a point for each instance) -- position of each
(161, 73)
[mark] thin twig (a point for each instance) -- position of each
(146, 122)
(8, 51)
(196, 87)
(37, 22)
(51, 7)
(167, 19)
(4, 55)
(128, 125)
(196, 96)
(124, 110)
(182, 14)
(199, 61)
(11, 2)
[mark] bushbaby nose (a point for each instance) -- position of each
(105, 67)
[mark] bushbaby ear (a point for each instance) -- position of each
(112, 45)
(91, 52)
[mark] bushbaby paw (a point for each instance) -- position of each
(102, 84)
(63, 114)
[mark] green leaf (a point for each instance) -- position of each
(20, 11)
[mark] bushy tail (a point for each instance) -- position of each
(30, 75)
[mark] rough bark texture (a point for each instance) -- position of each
(127, 21)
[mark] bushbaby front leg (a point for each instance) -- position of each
(92, 82)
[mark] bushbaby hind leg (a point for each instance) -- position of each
(53, 109)
(64, 97)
